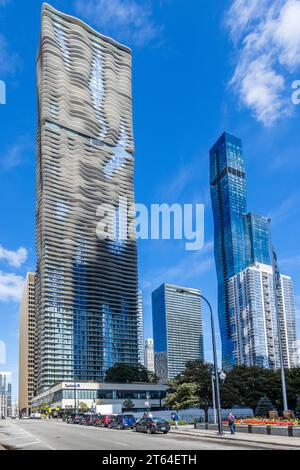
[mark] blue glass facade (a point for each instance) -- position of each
(159, 319)
(240, 238)
(258, 230)
(177, 329)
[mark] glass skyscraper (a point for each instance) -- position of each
(240, 238)
(243, 240)
(86, 286)
(177, 329)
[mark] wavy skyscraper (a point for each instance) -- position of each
(242, 240)
(86, 286)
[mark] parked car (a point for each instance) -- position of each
(125, 421)
(74, 418)
(84, 419)
(152, 425)
(92, 418)
(106, 420)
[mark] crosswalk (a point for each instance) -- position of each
(15, 438)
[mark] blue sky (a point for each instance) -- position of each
(199, 68)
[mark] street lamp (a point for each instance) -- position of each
(218, 400)
(222, 377)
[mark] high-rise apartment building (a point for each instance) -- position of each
(149, 354)
(27, 346)
(177, 329)
(86, 281)
(141, 329)
(241, 239)
(254, 318)
(5, 395)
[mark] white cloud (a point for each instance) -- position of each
(266, 34)
(9, 62)
(11, 287)
(288, 208)
(127, 20)
(191, 267)
(2, 353)
(13, 258)
(287, 34)
(14, 156)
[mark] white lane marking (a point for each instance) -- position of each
(28, 444)
(39, 440)
(13, 438)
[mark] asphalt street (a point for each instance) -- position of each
(56, 435)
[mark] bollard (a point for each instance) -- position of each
(290, 431)
(269, 432)
(250, 428)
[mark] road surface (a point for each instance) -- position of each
(57, 435)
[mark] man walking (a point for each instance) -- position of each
(231, 421)
(175, 418)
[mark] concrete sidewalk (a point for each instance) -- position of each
(274, 441)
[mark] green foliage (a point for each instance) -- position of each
(43, 407)
(123, 373)
(297, 409)
(263, 407)
(192, 388)
(83, 407)
(182, 396)
(244, 387)
(128, 405)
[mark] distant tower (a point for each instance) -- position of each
(149, 355)
(141, 329)
(5, 394)
(177, 329)
(26, 346)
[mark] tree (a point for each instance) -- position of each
(293, 387)
(182, 396)
(43, 407)
(244, 386)
(263, 407)
(83, 407)
(192, 388)
(123, 373)
(128, 405)
(297, 409)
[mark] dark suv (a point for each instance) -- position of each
(125, 421)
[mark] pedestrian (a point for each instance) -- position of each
(231, 421)
(176, 419)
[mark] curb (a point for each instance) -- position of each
(235, 439)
